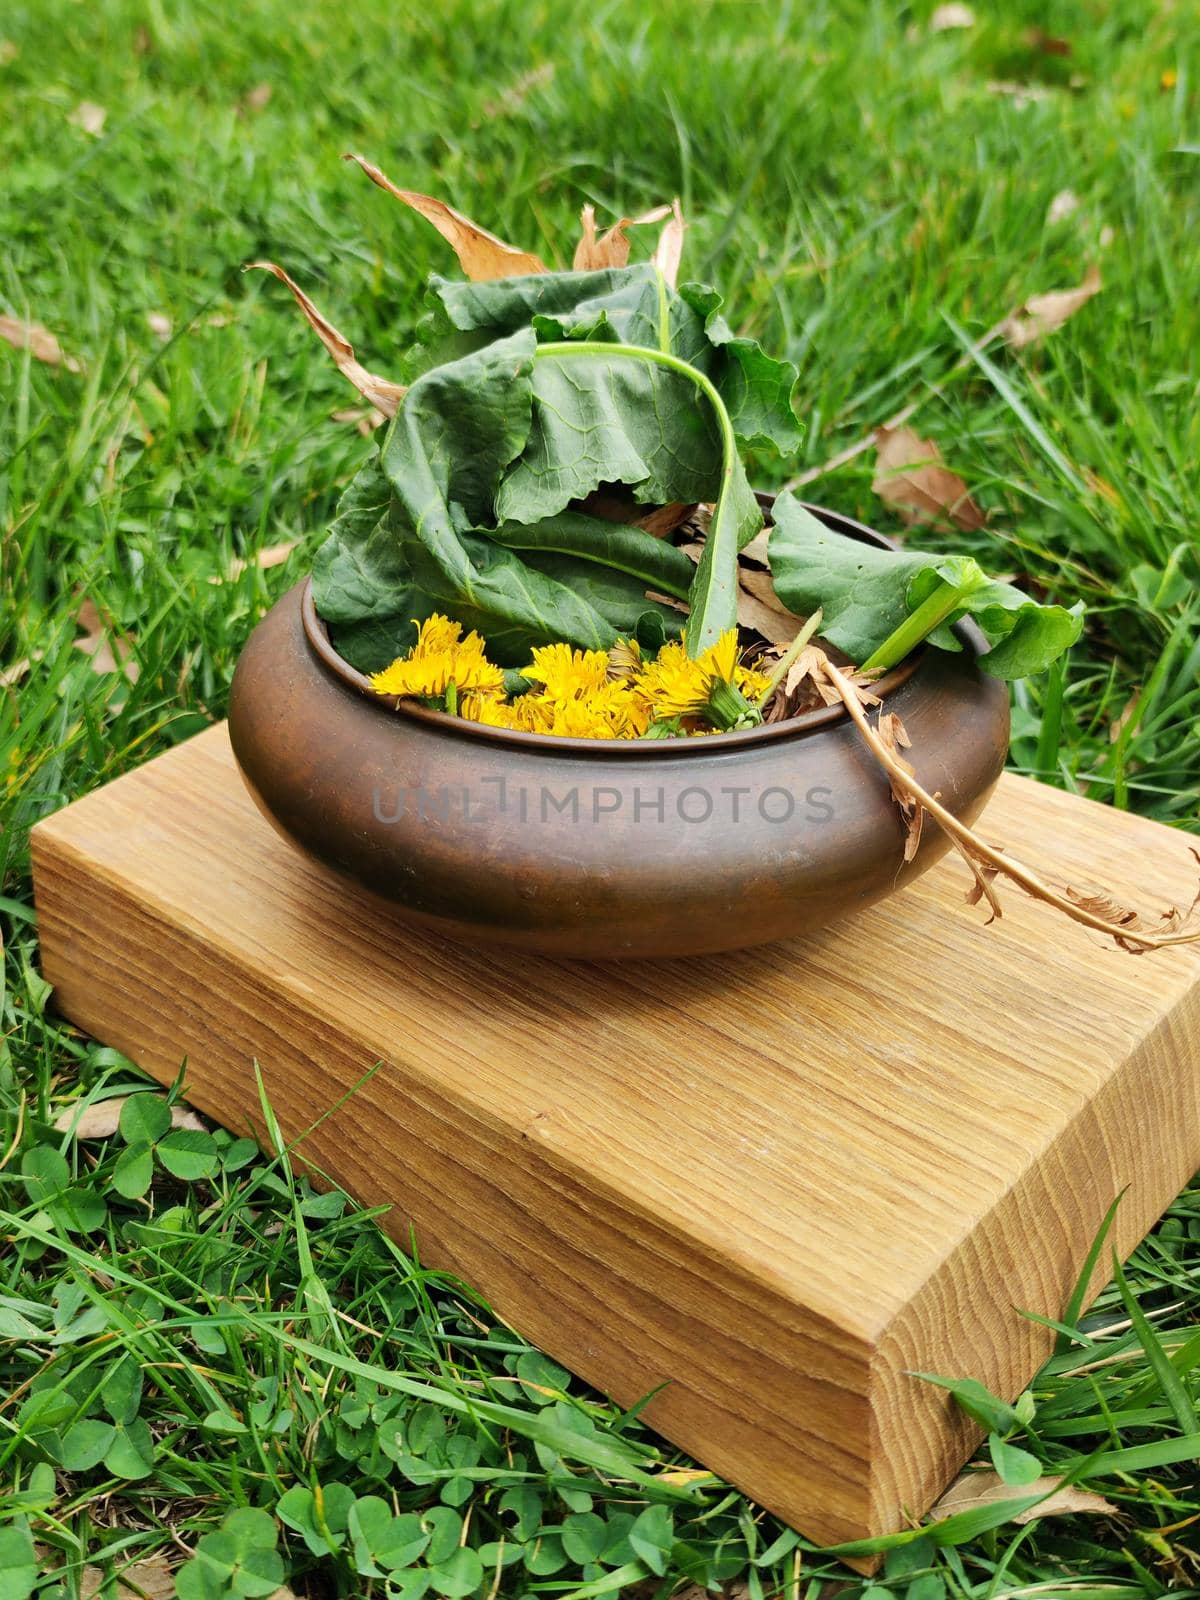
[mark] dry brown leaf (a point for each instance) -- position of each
(1044, 313)
(895, 737)
(90, 117)
(611, 249)
(381, 392)
(14, 673)
(760, 608)
(1021, 94)
(669, 252)
(1065, 204)
(101, 1119)
(480, 254)
(366, 420)
(258, 98)
(909, 474)
(39, 341)
(145, 1580)
(272, 555)
(663, 520)
(110, 651)
(951, 16)
(515, 96)
(972, 1489)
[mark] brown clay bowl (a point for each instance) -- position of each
(582, 847)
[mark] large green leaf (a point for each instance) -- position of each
(865, 593)
(601, 418)
(759, 392)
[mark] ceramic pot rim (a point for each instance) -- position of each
(317, 634)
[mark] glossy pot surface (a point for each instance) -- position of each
(596, 848)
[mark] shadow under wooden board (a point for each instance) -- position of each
(778, 1182)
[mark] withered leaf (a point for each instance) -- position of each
(973, 1489)
(1064, 205)
(257, 99)
(1045, 313)
(39, 341)
(480, 254)
(144, 1580)
(365, 418)
(101, 1119)
(110, 651)
(669, 252)
(951, 16)
(611, 249)
(271, 555)
(895, 738)
(381, 392)
(160, 324)
(909, 474)
(760, 608)
(90, 117)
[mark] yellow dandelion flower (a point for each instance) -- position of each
(566, 674)
(438, 634)
(673, 685)
(488, 709)
(438, 659)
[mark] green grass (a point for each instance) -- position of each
(871, 207)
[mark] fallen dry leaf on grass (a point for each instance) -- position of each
(972, 1489)
(1065, 204)
(480, 254)
(515, 96)
(14, 673)
(1044, 313)
(669, 252)
(951, 16)
(256, 99)
(109, 650)
(611, 249)
(39, 341)
(909, 474)
(271, 555)
(381, 392)
(366, 420)
(90, 117)
(1021, 94)
(101, 1120)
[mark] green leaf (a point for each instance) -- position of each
(611, 415)
(759, 392)
(45, 1173)
(459, 1574)
(867, 593)
(444, 1526)
(134, 1171)
(144, 1119)
(538, 1373)
(121, 1393)
(1013, 1464)
(239, 1559)
(321, 1517)
(19, 1568)
(1172, 1385)
(391, 1541)
(656, 563)
(86, 1444)
(652, 1537)
(131, 1454)
(189, 1154)
(980, 1404)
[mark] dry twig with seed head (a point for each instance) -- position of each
(1128, 928)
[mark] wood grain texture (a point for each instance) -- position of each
(780, 1181)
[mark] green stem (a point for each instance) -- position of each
(664, 314)
(942, 603)
(784, 664)
(729, 461)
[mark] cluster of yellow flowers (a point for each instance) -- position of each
(580, 694)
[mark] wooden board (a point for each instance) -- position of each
(780, 1181)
